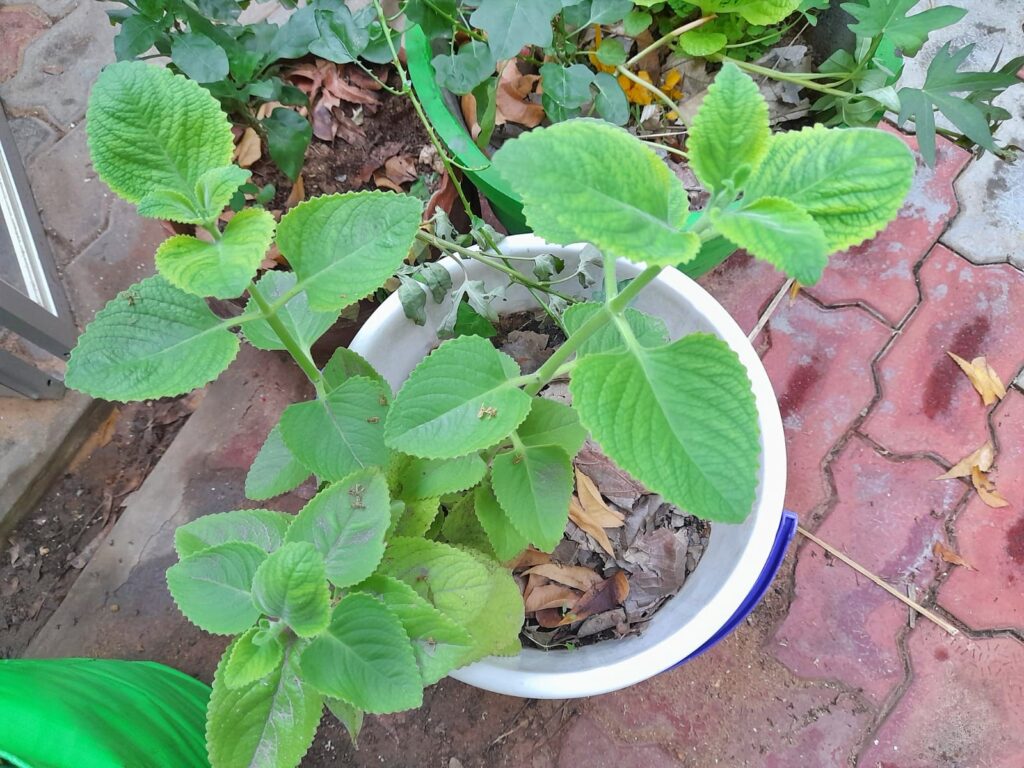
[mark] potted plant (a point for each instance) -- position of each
(362, 598)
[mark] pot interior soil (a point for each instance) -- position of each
(625, 550)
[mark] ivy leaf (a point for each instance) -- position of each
(438, 643)
(565, 89)
(753, 11)
(730, 130)
(463, 397)
(610, 101)
(433, 16)
(345, 364)
(586, 12)
(291, 584)
(466, 69)
(288, 135)
(687, 428)
(248, 662)
(222, 268)
(199, 57)
(269, 722)
(533, 486)
(552, 423)
(152, 340)
(275, 470)
(506, 541)
(889, 18)
(338, 434)
(702, 42)
(650, 331)
(341, 38)
(851, 181)
(305, 324)
(212, 588)
(346, 523)
(344, 247)
(636, 22)
(511, 24)
(427, 478)
(780, 232)
(263, 528)
(364, 658)
(151, 129)
(568, 162)
(611, 53)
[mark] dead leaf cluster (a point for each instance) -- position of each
(339, 95)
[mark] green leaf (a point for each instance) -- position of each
(150, 129)
(172, 205)
(511, 24)
(533, 486)
(588, 12)
(568, 86)
(288, 135)
(222, 268)
(465, 70)
(270, 722)
(851, 181)
(340, 433)
(463, 397)
(611, 53)
(469, 322)
(506, 541)
(212, 587)
(291, 585)
(569, 162)
(780, 232)
(552, 423)
(136, 36)
(753, 11)
(341, 38)
(650, 331)
(344, 247)
(215, 188)
(889, 18)
(349, 716)
(152, 340)
(198, 57)
(292, 39)
(636, 22)
(426, 478)
(433, 16)
(248, 662)
(438, 643)
(364, 658)
(345, 364)
(610, 101)
(679, 418)
(346, 523)
(460, 526)
(263, 528)
(702, 42)
(730, 130)
(275, 470)
(306, 325)
(417, 517)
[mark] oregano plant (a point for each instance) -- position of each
(392, 575)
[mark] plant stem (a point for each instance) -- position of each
(785, 76)
(295, 349)
(660, 94)
(673, 34)
(666, 148)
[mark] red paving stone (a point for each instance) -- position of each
(927, 404)
(887, 517)
(880, 273)
(585, 742)
(962, 707)
(820, 366)
(744, 286)
(19, 26)
(992, 540)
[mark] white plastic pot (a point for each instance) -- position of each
(737, 557)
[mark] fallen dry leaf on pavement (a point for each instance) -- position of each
(982, 458)
(578, 516)
(249, 149)
(610, 593)
(984, 378)
(948, 555)
(593, 504)
(987, 489)
(550, 596)
(575, 576)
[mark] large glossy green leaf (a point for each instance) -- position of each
(268, 723)
(852, 181)
(623, 207)
(679, 418)
(365, 658)
(275, 470)
(291, 585)
(889, 18)
(504, 539)
(730, 131)
(152, 340)
(150, 129)
(199, 57)
(533, 486)
(248, 662)
(213, 587)
(650, 331)
(288, 135)
(511, 24)
(343, 247)
(306, 325)
(346, 523)
(261, 527)
(552, 423)
(461, 398)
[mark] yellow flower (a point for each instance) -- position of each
(635, 92)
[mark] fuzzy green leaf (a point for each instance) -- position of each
(213, 587)
(150, 129)
(533, 486)
(275, 470)
(344, 364)
(679, 418)
(152, 340)
(754, 11)
(213, 191)
(344, 247)
(346, 523)
(650, 331)
(248, 662)
(341, 433)
(263, 528)
(349, 716)
(506, 541)
(426, 478)
(622, 207)
(780, 232)
(702, 42)
(852, 181)
(730, 131)
(417, 517)
(461, 528)
(511, 24)
(461, 398)
(269, 722)
(291, 585)
(365, 658)
(305, 324)
(889, 18)
(552, 423)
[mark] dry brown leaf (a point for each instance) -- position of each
(468, 104)
(530, 558)
(593, 503)
(511, 98)
(266, 108)
(982, 458)
(361, 79)
(99, 438)
(549, 618)
(249, 148)
(983, 377)
(401, 169)
(324, 127)
(575, 576)
(335, 82)
(987, 489)
(948, 555)
(298, 193)
(347, 130)
(444, 197)
(794, 291)
(578, 516)
(383, 182)
(602, 597)
(550, 596)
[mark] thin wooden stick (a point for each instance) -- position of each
(767, 314)
(891, 590)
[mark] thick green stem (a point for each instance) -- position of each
(295, 349)
(671, 36)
